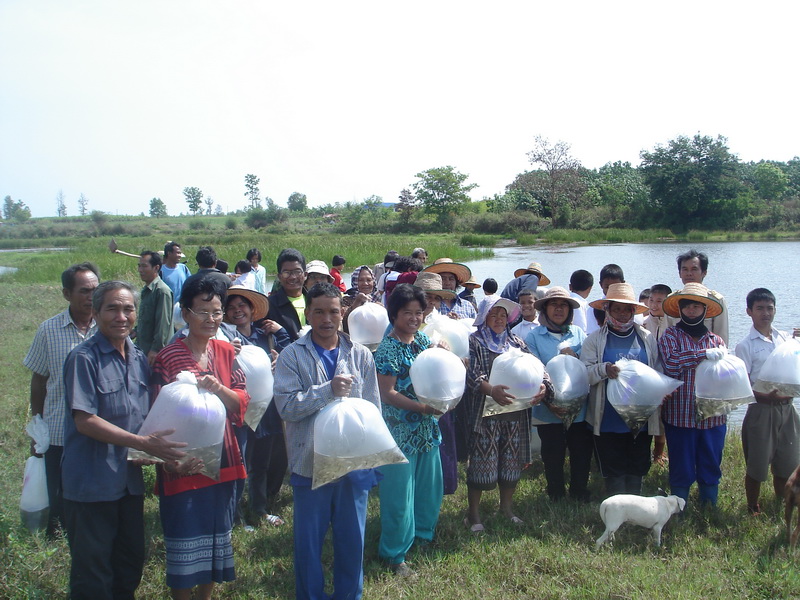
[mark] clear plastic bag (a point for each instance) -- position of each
(453, 331)
(720, 386)
(781, 370)
(439, 378)
(522, 372)
(33, 503)
(198, 418)
(367, 324)
(570, 380)
(257, 368)
(38, 431)
(638, 391)
(350, 434)
(177, 317)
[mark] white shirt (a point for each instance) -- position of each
(247, 280)
(583, 315)
(755, 348)
(523, 328)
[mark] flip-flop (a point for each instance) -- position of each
(273, 520)
(476, 528)
(516, 520)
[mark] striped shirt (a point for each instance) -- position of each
(681, 354)
(54, 339)
(302, 389)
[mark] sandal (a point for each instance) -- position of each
(476, 528)
(516, 520)
(273, 520)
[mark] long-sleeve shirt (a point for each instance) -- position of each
(302, 389)
(681, 354)
(154, 318)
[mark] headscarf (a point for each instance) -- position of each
(354, 283)
(563, 328)
(622, 327)
(486, 336)
(696, 327)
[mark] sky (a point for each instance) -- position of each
(123, 102)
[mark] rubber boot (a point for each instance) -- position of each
(615, 485)
(633, 485)
(708, 494)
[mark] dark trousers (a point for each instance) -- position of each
(620, 454)
(106, 545)
(52, 468)
(266, 468)
(555, 441)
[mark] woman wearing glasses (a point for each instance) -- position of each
(197, 512)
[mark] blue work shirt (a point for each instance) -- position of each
(99, 381)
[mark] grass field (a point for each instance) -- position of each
(707, 554)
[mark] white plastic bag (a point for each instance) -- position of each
(38, 431)
(177, 317)
(257, 368)
(438, 377)
(720, 385)
(522, 372)
(638, 391)
(570, 380)
(367, 324)
(350, 434)
(33, 503)
(781, 370)
(453, 331)
(198, 418)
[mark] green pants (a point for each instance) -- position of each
(411, 496)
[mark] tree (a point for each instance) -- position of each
(209, 204)
(297, 202)
(218, 210)
(564, 184)
(252, 192)
(406, 205)
(8, 208)
(621, 187)
(157, 208)
(442, 192)
(194, 198)
(83, 205)
(15, 211)
(694, 181)
(771, 181)
(61, 206)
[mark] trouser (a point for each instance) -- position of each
(342, 507)
(106, 545)
(411, 496)
(555, 441)
(266, 469)
(695, 455)
(52, 467)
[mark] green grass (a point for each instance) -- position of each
(708, 554)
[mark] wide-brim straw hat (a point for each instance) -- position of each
(622, 293)
(695, 292)
(257, 300)
(534, 269)
(471, 283)
(446, 265)
(431, 283)
(553, 293)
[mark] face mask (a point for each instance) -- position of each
(621, 326)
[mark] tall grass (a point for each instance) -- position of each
(721, 553)
(595, 236)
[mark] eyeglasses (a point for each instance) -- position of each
(295, 273)
(204, 315)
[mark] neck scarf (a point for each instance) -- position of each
(694, 327)
(622, 327)
(563, 328)
(494, 342)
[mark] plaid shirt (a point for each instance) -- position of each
(681, 355)
(54, 339)
(461, 307)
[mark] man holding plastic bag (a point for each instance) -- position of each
(106, 393)
(695, 447)
(309, 375)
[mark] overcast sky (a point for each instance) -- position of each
(342, 100)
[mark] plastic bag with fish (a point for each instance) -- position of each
(453, 331)
(522, 372)
(781, 370)
(638, 391)
(439, 378)
(570, 380)
(720, 386)
(257, 368)
(367, 324)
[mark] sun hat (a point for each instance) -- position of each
(696, 292)
(534, 269)
(431, 283)
(257, 300)
(555, 292)
(622, 293)
(338, 260)
(390, 258)
(512, 309)
(446, 265)
(318, 266)
(471, 283)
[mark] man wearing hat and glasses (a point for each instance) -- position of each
(525, 279)
(695, 448)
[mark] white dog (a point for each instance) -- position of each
(652, 513)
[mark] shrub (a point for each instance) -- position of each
(198, 224)
(231, 223)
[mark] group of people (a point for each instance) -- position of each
(99, 366)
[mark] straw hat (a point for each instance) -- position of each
(696, 292)
(556, 292)
(446, 265)
(257, 300)
(318, 266)
(622, 293)
(431, 283)
(534, 269)
(471, 283)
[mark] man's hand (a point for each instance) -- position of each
(237, 346)
(775, 397)
(155, 445)
(453, 315)
(151, 357)
(269, 326)
(715, 354)
(500, 395)
(341, 385)
(569, 351)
